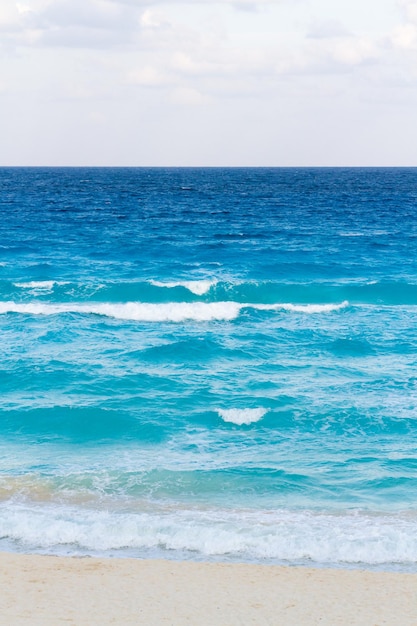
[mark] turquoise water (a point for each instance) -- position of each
(210, 364)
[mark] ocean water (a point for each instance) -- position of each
(214, 364)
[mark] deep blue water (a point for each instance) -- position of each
(210, 363)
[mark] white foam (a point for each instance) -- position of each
(162, 312)
(40, 286)
(135, 311)
(313, 308)
(242, 416)
(197, 287)
(301, 308)
(293, 536)
(48, 285)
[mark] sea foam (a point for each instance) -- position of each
(242, 416)
(134, 311)
(303, 308)
(41, 285)
(197, 287)
(354, 538)
(163, 312)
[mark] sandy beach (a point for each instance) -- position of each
(39, 590)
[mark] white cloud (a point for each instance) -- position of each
(326, 29)
(405, 36)
(72, 23)
(207, 77)
(98, 118)
(152, 19)
(148, 76)
(22, 8)
(344, 52)
(187, 96)
(234, 3)
(10, 16)
(86, 13)
(410, 9)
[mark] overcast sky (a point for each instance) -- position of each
(208, 82)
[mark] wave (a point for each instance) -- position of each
(197, 287)
(164, 312)
(40, 287)
(369, 291)
(242, 416)
(302, 308)
(354, 538)
(37, 284)
(134, 311)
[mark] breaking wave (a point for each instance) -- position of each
(197, 287)
(355, 538)
(242, 416)
(163, 312)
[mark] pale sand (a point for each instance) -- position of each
(41, 590)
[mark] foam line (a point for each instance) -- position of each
(242, 416)
(165, 312)
(197, 287)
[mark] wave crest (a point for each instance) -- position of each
(242, 416)
(39, 285)
(162, 312)
(135, 311)
(197, 287)
(282, 535)
(303, 308)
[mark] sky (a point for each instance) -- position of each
(208, 82)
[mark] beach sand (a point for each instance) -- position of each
(40, 590)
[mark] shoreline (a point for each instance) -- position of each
(84, 591)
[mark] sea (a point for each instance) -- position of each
(213, 364)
